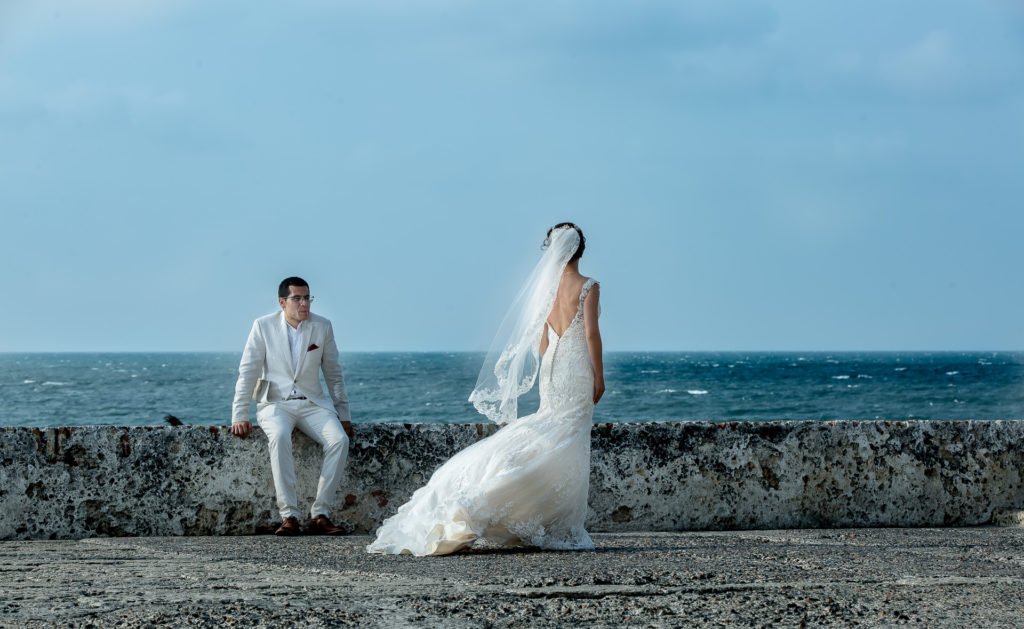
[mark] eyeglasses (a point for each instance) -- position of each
(299, 298)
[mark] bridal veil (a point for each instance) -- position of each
(511, 365)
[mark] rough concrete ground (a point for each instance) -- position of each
(841, 577)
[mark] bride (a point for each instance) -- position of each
(527, 483)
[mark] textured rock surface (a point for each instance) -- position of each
(880, 577)
(111, 481)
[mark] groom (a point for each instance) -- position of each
(280, 369)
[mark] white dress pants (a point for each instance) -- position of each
(278, 420)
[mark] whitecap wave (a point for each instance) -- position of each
(864, 375)
(900, 369)
(697, 392)
(952, 373)
(54, 383)
(668, 391)
(840, 377)
(28, 381)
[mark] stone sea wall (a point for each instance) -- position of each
(111, 481)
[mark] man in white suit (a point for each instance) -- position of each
(280, 369)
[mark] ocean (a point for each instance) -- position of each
(140, 389)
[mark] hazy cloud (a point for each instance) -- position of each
(656, 26)
(90, 12)
(867, 146)
(931, 63)
(86, 98)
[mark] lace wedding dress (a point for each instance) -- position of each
(525, 485)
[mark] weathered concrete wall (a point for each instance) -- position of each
(82, 482)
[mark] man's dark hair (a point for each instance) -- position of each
(583, 241)
(282, 289)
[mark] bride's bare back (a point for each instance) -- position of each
(565, 309)
(567, 301)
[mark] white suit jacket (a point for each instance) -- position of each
(268, 355)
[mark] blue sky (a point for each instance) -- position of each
(751, 175)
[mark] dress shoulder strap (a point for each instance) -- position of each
(583, 294)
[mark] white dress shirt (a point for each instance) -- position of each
(295, 344)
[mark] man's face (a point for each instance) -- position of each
(296, 304)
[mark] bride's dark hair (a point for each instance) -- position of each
(583, 241)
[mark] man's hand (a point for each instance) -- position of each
(347, 427)
(241, 429)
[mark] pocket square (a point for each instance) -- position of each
(312, 347)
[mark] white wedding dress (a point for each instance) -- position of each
(526, 484)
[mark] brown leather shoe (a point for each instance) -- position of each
(290, 526)
(322, 525)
